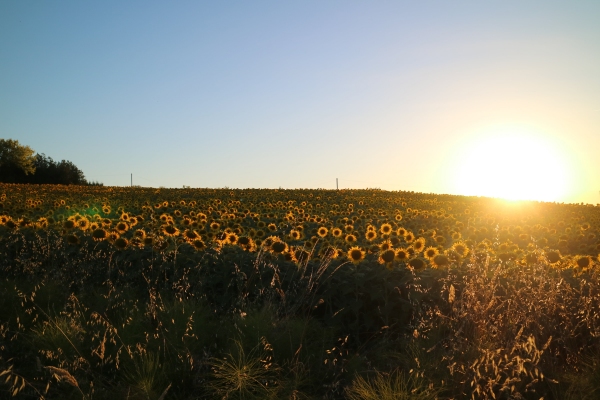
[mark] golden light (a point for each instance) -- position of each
(513, 164)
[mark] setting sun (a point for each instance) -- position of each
(513, 164)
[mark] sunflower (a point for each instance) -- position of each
(583, 262)
(401, 255)
(387, 256)
(232, 238)
(409, 237)
(336, 232)
(122, 227)
(300, 255)
(190, 235)
(83, 224)
(417, 264)
(356, 254)
(553, 256)
(99, 234)
(461, 249)
(385, 245)
(322, 231)
(221, 237)
(371, 235)
(278, 247)
(401, 232)
(385, 229)
(198, 244)
(170, 231)
(440, 261)
(246, 243)
(419, 245)
(121, 243)
(215, 226)
(69, 224)
(431, 252)
(295, 234)
(113, 235)
(350, 239)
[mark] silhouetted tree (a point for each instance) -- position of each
(16, 155)
(18, 165)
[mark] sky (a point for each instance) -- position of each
(396, 95)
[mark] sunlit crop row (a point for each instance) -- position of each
(397, 229)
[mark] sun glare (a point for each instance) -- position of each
(513, 165)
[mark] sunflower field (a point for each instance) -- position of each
(142, 293)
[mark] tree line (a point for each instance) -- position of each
(20, 164)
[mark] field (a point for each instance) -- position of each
(139, 293)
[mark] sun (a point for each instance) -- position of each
(513, 164)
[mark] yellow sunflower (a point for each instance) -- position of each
(356, 254)
(431, 252)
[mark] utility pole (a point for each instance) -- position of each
(132, 180)
(336, 184)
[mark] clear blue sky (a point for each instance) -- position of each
(294, 94)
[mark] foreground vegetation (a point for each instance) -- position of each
(200, 293)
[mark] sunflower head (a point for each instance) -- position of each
(401, 255)
(170, 231)
(350, 239)
(69, 224)
(371, 235)
(461, 249)
(295, 234)
(387, 256)
(99, 234)
(440, 261)
(121, 243)
(385, 229)
(300, 256)
(583, 262)
(356, 254)
(322, 231)
(431, 252)
(385, 245)
(122, 227)
(198, 244)
(278, 247)
(417, 264)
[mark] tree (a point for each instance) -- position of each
(19, 165)
(16, 155)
